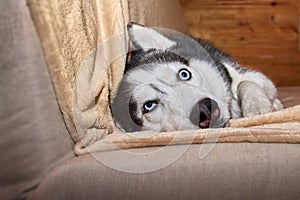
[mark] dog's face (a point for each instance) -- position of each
(167, 91)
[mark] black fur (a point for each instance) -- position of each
(133, 112)
(140, 57)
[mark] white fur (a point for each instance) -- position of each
(142, 37)
(251, 93)
(252, 76)
(261, 96)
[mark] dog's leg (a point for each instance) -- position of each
(254, 100)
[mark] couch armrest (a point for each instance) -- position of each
(33, 135)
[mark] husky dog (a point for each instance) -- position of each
(175, 82)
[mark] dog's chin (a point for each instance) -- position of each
(217, 124)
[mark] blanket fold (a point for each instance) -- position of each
(281, 116)
(278, 127)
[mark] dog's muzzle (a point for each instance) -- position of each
(205, 113)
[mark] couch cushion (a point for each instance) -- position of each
(229, 171)
(33, 134)
(290, 96)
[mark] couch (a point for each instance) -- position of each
(38, 157)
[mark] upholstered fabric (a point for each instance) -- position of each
(290, 96)
(229, 171)
(32, 131)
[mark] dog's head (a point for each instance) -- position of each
(172, 84)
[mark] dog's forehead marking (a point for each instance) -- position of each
(165, 73)
(159, 56)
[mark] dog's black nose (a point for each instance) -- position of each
(205, 113)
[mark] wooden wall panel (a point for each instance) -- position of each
(262, 34)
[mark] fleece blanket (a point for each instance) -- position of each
(70, 32)
(85, 45)
(278, 127)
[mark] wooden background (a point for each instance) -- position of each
(262, 34)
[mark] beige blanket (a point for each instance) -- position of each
(85, 44)
(278, 127)
(69, 32)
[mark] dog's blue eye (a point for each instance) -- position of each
(184, 75)
(149, 106)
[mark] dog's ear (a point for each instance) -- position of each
(147, 38)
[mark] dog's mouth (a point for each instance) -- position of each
(206, 113)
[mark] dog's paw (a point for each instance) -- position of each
(277, 104)
(253, 99)
(253, 107)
